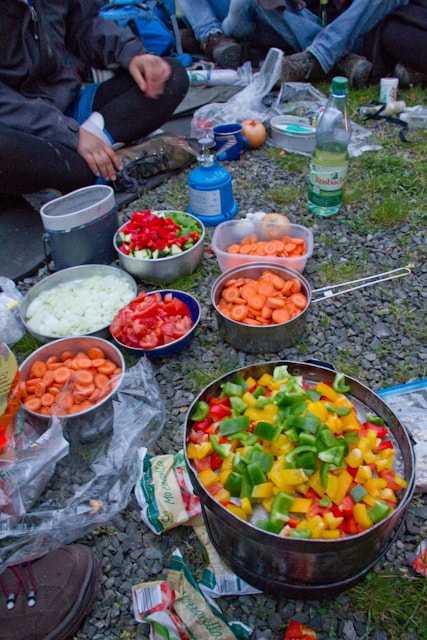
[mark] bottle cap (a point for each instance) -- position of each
(340, 86)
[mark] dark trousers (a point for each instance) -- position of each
(29, 163)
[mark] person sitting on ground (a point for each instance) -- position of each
(43, 105)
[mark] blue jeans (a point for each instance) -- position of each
(300, 30)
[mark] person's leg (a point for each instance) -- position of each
(205, 16)
(29, 164)
(345, 32)
(405, 43)
(128, 114)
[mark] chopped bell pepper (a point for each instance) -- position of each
(222, 450)
(231, 389)
(259, 391)
(263, 458)
(324, 475)
(223, 496)
(256, 473)
(344, 483)
(264, 490)
(281, 372)
(238, 405)
(308, 422)
(246, 438)
(332, 486)
(339, 384)
(266, 431)
(246, 506)
(208, 477)
(237, 511)
(361, 515)
(200, 411)
(246, 486)
(328, 439)
(292, 434)
(293, 476)
(351, 437)
(355, 458)
(234, 484)
(318, 409)
(301, 505)
(331, 534)
(199, 451)
(307, 439)
(331, 521)
(340, 411)
(364, 473)
(228, 426)
(379, 511)
(358, 493)
(373, 419)
(326, 391)
(325, 502)
(334, 456)
(304, 534)
(262, 402)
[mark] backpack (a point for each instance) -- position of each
(149, 20)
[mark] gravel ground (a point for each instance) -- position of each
(378, 335)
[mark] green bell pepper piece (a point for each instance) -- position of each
(266, 431)
(307, 438)
(292, 434)
(230, 389)
(222, 450)
(266, 525)
(339, 384)
(309, 423)
(298, 450)
(259, 391)
(246, 438)
(328, 438)
(256, 473)
(281, 372)
(340, 411)
(324, 470)
(307, 462)
(358, 493)
(325, 502)
(200, 411)
(239, 465)
(379, 511)
(233, 484)
(263, 458)
(282, 502)
(262, 402)
(373, 419)
(247, 486)
(313, 395)
(304, 534)
(351, 437)
(228, 426)
(238, 405)
(334, 456)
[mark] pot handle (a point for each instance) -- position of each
(330, 291)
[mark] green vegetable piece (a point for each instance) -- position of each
(351, 437)
(280, 373)
(239, 465)
(325, 502)
(282, 502)
(373, 419)
(247, 439)
(292, 455)
(262, 402)
(334, 456)
(200, 411)
(247, 486)
(358, 493)
(222, 450)
(307, 462)
(292, 434)
(228, 426)
(256, 473)
(259, 391)
(324, 471)
(266, 431)
(328, 438)
(304, 534)
(313, 395)
(238, 405)
(340, 411)
(263, 458)
(339, 384)
(230, 389)
(307, 438)
(309, 423)
(266, 525)
(233, 484)
(379, 511)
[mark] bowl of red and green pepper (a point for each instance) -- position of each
(160, 246)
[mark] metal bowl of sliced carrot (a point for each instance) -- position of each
(70, 377)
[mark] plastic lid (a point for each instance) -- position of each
(339, 86)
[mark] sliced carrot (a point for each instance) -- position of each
(230, 294)
(270, 249)
(299, 300)
(65, 355)
(290, 246)
(252, 321)
(75, 408)
(51, 359)
(83, 363)
(296, 285)
(101, 381)
(62, 375)
(33, 404)
(277, 282)
(64, 400)
(266, 289)
(287, 287)
(85, 405)
(84, 391)
(280, 315)
(248, 291)
(108, 368)
(257, 302)
(239, 312)
(48, 378)
(47, 400)
(275, 303)
(39, 389)
(52, 366)
(95, 397)
(250, 239)
(266, 313)
(98, 362)
(83, 378)
(23, 390)
(117, 371)
(53, 391)
(38, 369)
(94, 353)
(245, 248)
(46, 411)
(233, 248)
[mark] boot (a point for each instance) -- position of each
(189, 41)
(48, 599)
(226, 52)
(300, 67)
(356, 68)
(409, 77)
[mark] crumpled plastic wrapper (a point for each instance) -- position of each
(89, 479)
(11, 327)
(420, 563)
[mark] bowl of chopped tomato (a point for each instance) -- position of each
(157, 323)
(160, 246)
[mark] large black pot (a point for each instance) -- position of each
(303, 568)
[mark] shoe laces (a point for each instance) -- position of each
(25, 583)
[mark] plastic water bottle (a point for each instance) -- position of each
(328, 168)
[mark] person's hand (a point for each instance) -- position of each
(100, 157)
(150, 74)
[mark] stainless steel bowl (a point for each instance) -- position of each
(74, 345)
(68, 275)
(264, 339)
(163, 270)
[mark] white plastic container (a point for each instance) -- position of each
(233, 232)
(293, 134)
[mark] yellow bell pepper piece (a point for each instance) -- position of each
(302, 488)
(400, 481)
(331, 534)
(223, 475)
(238, 511)
(389, 495)
(265, 380)
(354, 458)
(208, 477)
(264, 490)
(327, 391)
(250, 382)
(383, 465)
(363, 474)
(318, 409)
(331, 521)
(316, 485)
(260, 415)
(369, 500)
(199, 451)
(302, 524)
(374, 486)
(246, 506)
(249, 399)
(372, 439)
(316, 526)
(350, 422)
(364, 444)
(281, 445)
(274, 385)
(344, 483)
(387, 453)
(369, 457)
(222, 496)
(228, 462)
(301, 505)
(293, 476)
(267, 503)
(361, 515)
(332, 486)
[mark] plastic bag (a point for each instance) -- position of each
(94, 482)
(248, 103)
(11, 327)
(409, 403)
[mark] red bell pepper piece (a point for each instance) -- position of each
(214, 401)
(346, 507)
(216, 461)
(219, 411)
(385, 444)
(202, 425)
(349, 526)
(311, 494)
(380, 431)
(202, 465)
(352, 471)
(298, 631)
(389, 477)
(293, 522)
(197, 437)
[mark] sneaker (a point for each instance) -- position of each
(409, 77)
(356, 68)
(226, 52)
(48, 599)
(300, 67)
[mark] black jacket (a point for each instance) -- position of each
(41, 44)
